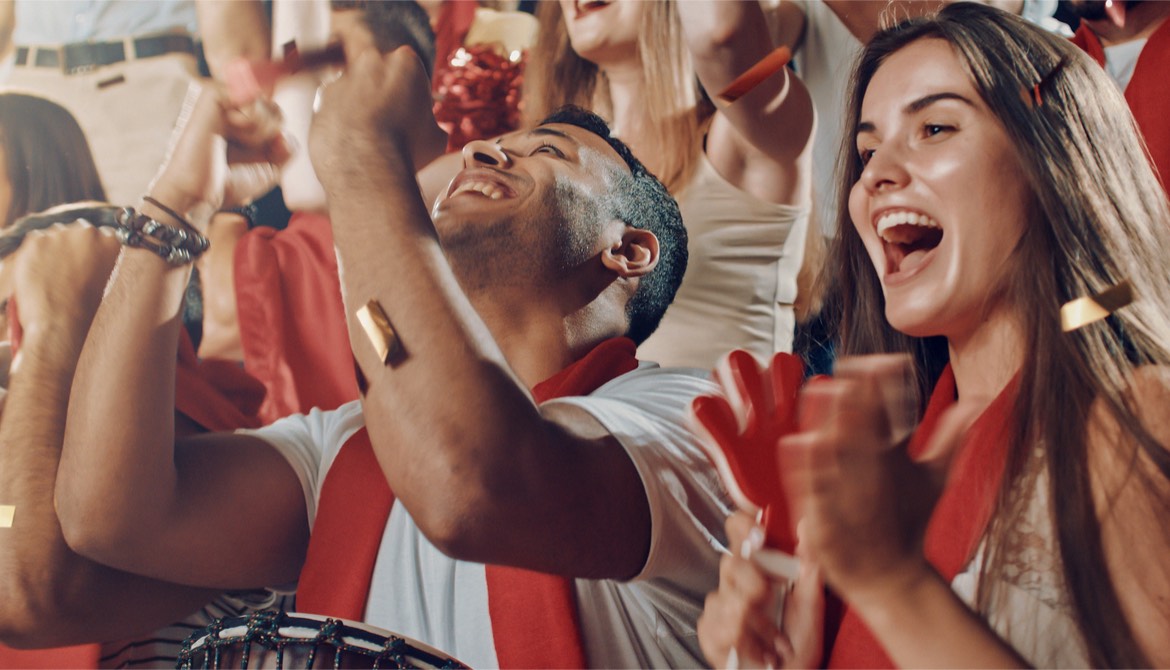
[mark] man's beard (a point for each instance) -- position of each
(501, 254)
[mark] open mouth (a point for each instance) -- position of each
(909, 239)
(587, 6)
(484, 188)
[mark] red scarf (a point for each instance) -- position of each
(959, 518)
(1147, 95)
(291, 317)
(533, 615)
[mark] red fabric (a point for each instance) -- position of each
(292, 319)
(353, 508)
(1147, 94)
(217, 395)
(455, 19)
(960, 516)
(533, 615)
(82, 656)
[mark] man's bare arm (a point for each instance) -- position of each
(864, 18)
(218, 510)
(483, 473)
(725, 40)
(49, 595)
(233, 29)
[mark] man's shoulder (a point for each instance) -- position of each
(320, 430)
(653, 378)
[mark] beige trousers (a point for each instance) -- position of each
(127, 111)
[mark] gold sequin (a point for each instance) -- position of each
(1083, 311)
(378, 330)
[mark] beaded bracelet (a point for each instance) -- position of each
(175, 245)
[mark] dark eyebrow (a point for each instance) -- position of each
(917, 106)
(926, 101)
(542, 130)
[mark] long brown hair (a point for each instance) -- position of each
(48, 159)
(676, 105)
(1099, 217)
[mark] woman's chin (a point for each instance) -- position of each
(913, 322)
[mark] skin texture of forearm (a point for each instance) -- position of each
(49, 595)
(454, 390)
(221, 510)
(725, 40)
(233, 29)
(925, 625)
(111, 441)
(864, 18)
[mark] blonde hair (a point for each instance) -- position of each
(676, 107)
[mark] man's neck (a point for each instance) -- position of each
(1130, 23)
(535, 337)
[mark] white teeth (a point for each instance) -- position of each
(484, 188)
(902, 217)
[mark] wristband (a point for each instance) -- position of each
(755, 75)
(177, 246)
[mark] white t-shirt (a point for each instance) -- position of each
(648, 621)
(1121, 60)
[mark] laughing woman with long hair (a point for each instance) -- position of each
(993, 176)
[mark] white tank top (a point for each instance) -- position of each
(740, 283)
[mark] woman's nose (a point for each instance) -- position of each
(885, 170)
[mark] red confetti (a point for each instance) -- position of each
(478, 94)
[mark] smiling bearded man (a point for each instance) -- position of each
(547, 506)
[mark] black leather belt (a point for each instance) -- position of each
(82, 56)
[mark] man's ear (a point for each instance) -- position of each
(635, 255)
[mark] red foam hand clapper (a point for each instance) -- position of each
(742, 431)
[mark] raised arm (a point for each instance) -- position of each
(759, 142)
(864, 18)
(483, 473)
(218, 510)
(49, 595)
(231, 30)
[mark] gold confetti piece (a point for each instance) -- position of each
(7, 512)
(378, 330)
(1083, 311)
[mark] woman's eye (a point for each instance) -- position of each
(865, 155)
(549, 149)
(932, 129)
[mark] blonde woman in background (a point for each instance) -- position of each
(740, 171)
